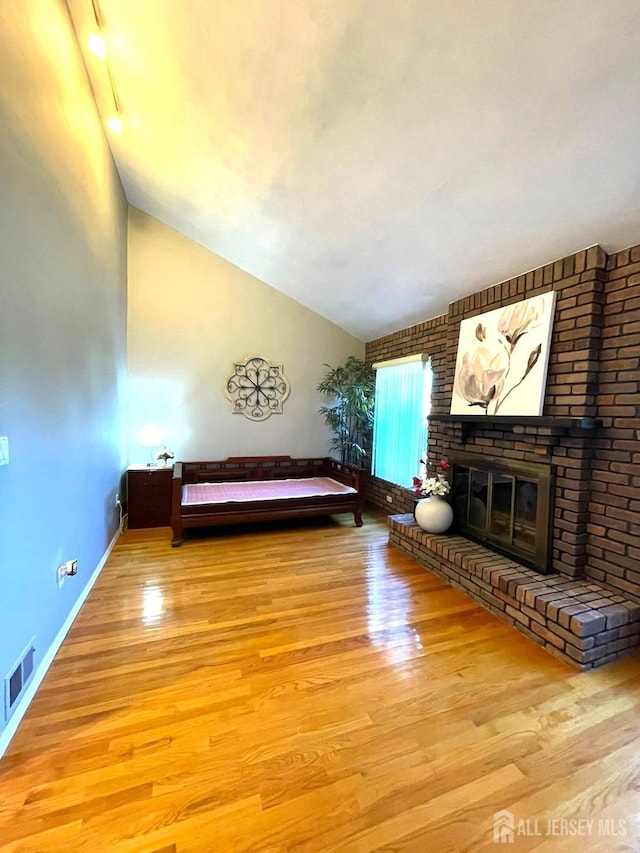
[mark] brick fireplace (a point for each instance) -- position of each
(589, 433)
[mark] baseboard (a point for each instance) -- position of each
(16, 717)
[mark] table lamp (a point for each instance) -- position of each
(151, 438)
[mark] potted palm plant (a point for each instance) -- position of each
(350, 416)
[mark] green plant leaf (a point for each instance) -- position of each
(352, 385)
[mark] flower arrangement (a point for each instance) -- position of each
(438, 485)
(165, 455)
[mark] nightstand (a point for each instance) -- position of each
(148, 496)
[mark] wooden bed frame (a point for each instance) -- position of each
(238, 468)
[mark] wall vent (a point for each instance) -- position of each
(18, 679)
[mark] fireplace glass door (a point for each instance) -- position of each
(505, 505)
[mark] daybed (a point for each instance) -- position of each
(261, 488)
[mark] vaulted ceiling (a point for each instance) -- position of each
(375, 160)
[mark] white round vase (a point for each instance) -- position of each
(434, 514)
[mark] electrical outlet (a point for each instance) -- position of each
(389, 499)
(4, 450)
(117, 501)
(66, 570)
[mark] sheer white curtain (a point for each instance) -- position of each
(402, 400)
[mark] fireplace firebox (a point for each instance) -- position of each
(505, 504)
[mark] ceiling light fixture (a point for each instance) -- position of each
(98, 46)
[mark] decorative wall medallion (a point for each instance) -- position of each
(257, 388)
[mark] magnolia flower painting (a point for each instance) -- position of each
(501, 368)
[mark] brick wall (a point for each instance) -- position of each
(613, 547)
(594, 370)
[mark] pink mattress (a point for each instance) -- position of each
(262, 490)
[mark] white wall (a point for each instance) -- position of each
(63, 219)
(191, 315)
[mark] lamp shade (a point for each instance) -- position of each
(151, 435)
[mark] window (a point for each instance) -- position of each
(402, 400)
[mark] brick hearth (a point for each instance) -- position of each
(583, 622)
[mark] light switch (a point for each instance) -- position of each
(4, 450)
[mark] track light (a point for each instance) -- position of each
(98, 47)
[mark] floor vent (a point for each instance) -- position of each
(18, 679)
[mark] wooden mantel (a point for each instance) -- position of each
(517, 420)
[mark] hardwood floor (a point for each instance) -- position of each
(308, 688)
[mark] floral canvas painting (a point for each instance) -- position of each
(501, 368)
